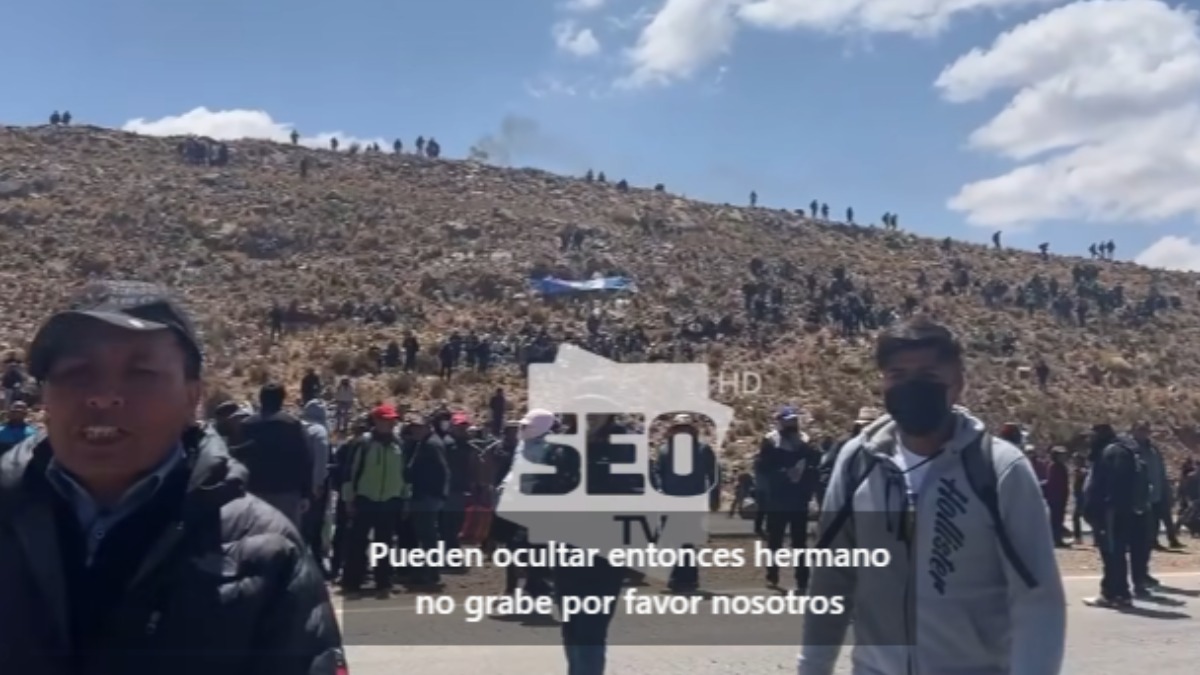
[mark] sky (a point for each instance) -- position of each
(1050, 120)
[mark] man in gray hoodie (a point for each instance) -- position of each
(316, 420)
(959, 595)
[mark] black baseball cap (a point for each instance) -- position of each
(130, 305)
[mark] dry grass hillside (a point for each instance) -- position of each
(449, 244)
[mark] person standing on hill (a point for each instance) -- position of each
(276, 452)
(344, 398)
(310, 386)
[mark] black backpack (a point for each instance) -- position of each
(981, 475)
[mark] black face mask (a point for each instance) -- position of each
(919, 407)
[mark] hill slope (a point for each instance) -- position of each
(449, 246)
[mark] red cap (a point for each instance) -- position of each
(385, 412)
(460, 418)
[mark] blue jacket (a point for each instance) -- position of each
(11, 435)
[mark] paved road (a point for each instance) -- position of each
(722, 526)
(1159, 639)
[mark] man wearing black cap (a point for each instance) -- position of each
(227, 421)
(128, 542)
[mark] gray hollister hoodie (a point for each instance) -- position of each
(973, 613)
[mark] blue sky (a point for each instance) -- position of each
(869, 103)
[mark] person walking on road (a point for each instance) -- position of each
(792, 468)
(121, 528)
(585, 636)
(1119, 503)
(684, 435)
(962, 516)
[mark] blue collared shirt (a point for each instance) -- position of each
(96, 521)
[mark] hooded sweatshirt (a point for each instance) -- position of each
(316, 429)
(973, 613)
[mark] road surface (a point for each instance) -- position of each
(722, 526)
(1160, 638)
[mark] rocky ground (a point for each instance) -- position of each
(450, 244)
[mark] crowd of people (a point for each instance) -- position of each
(135, 500)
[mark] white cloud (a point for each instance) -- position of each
(917, 17)
(681, 38)
(686, 35)
(574, 40)
(583, 5)
(1107, 94)
(1172, 253)
(230, 125)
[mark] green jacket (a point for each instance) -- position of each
(377, 472)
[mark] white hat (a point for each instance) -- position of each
(538, 422)
(682, 420)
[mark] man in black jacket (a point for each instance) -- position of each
(277, 453)
(128, 542)
(701, 479)
(585, 636)
(791, 467)
(460, 461)
(1118, 506)
(829, 456)
(343, 460)
(429, 478)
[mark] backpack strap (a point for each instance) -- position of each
(858, 468)
(979, 466)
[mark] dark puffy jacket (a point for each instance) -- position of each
(277, 453)
(1119, 482)
(12, 435)
(427, 471)
(460, 461)
(225, 584)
